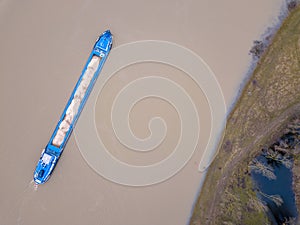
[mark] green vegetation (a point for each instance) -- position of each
(270, 99)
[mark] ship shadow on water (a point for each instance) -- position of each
(272, 175)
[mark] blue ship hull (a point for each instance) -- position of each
(71, 113)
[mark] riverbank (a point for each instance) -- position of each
(269, 100)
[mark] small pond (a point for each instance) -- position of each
(272, 174)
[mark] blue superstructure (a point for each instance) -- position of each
(64, 128)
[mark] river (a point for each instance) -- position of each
(44, 46)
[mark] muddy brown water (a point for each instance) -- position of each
(44, 46)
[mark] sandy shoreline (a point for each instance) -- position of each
(39, 86)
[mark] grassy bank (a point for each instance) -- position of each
(269, 100)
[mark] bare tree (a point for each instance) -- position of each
(289, 221)
(258, 48)
(274, 198)
(292, 4)
(266, 170)
(276, 156)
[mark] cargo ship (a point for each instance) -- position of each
(53, 150)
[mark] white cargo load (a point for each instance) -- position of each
(73, 108)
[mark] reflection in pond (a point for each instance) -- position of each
(272, 174)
